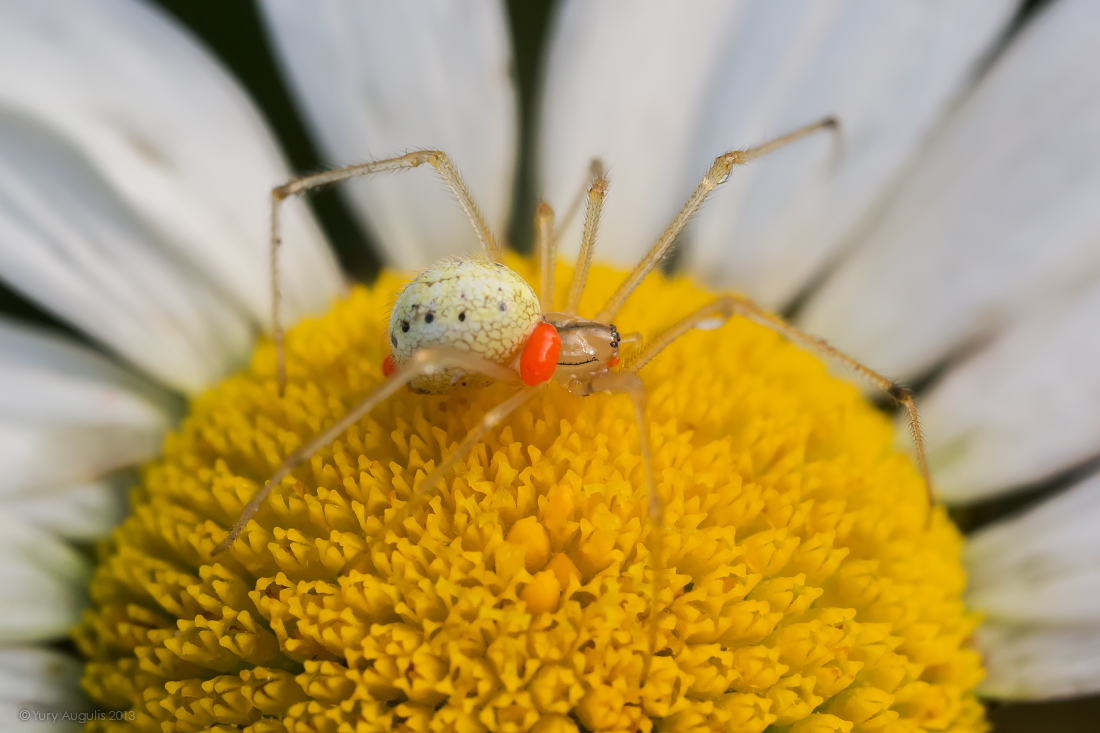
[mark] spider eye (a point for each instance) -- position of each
(540, 355)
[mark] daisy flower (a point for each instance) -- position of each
(949, 239)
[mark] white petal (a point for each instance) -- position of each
(1021, 409)
(886, 70)
(1017, 565)
(999, 214)
(69, 243)
(1043, 663)
(67, 415)
(1037, 580)
(625, 84)
(44, 581)
(377, 79)
(158, 119)
(656, 92)
(81, 513)
(40, 681)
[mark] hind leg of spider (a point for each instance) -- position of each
(630, 384)
(428, 361)
(435, 158)
(488, 421)
(720, 310)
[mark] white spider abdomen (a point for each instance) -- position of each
(471, 305)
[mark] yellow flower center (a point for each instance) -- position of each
(805, 587)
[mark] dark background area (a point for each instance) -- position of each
(233, 31)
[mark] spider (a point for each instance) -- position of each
(466, 322)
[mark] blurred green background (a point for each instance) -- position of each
(233, 31)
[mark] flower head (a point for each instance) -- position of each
(805, 581)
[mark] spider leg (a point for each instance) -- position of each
(595, 170)
(489, 420)
(727, 306)
(629, 383)
(717, 174)
(546, 237)
(427, 361)
(596, 193)
(545, 249)
(435, 158)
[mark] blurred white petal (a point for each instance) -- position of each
(1000, 213)
(1040, 663)
(1038, 551)
(81, 513)
(1021, 409)
(376, 79)
(68, 416)
(44, 581)
(1037, 580)
(657, 91)
(39, 680)
(886, 70)
(625, 83)
(68, 242)
(163, 124)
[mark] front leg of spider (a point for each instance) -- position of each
(727, 306)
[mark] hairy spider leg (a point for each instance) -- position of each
(595, 170)
(717, 174)
(616, 383)
(630, 384)
(728, 306)
(435, 158)
(596, 193)
(427, 361)
(545, 250)
(546, 237)
(488, 421)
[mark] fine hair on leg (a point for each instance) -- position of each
(717, 174)
(595, 170)
(596, 193)
(435, 158)
(723, 308)
(545, 251)
(427, 361)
